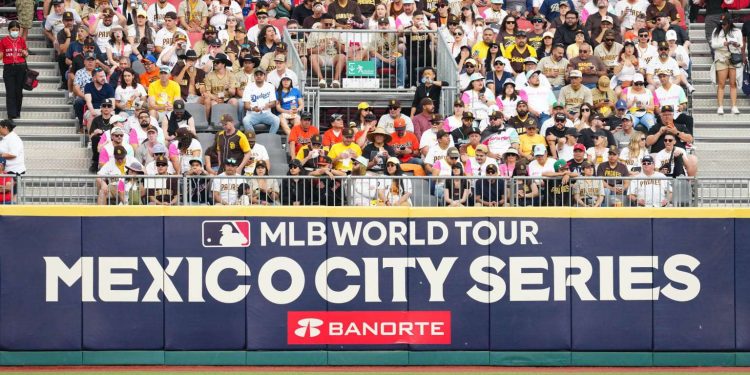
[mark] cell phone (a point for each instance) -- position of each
(635, 169)
(226, 9)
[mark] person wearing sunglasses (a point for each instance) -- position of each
(590, 66)
(667, 63)
(652, 188)
(609, 49)
(640, 100)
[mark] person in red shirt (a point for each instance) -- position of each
(336, 133)
(405, 143)
(301, 134)
(13, 52)
(6, 185)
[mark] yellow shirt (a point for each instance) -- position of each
(346, 163)
(163, 95)
(479, 51)
(527, 143)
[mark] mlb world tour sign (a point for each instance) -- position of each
(394, 280)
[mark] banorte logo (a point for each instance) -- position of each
(369, 327)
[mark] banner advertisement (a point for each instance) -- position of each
(342, 284)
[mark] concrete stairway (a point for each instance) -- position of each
(48, 128)
(721, 141)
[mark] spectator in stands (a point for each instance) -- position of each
(591, 67)
(335, 133)
(219, 85)
(53, 23)
(129, 94)
(566, 33)
(636, 149)
(557, 107)
(492, 54)
(169, 56)
(460, 135)
(405, 143)
(296, 191)
(478, 99)
(140, 33)
(64, 39)
(326, 49)
(342, 153)
(559, 192)
(162, 93)
(179, 118)
(666, 63)
(480, 49)
(673, 95)
(12, 149)
(667, 125)
(232, 144)
(259, 98)
(603, 97)
(628, 64)
(554, 67)
(99, 125)
(596, 153)
(378, 151)
(623, 134)
(661, 7)
(288, 102)
(539, 97)
(457, 191)
(151, 73)
(166, 36)
(498, 76)
(608, 52)
(384, 51)
(301, 135)
(394, 112)
(108, 187)
(651, 189)
(556, 135)
(726, 41)
(566, 150)
(95, 93)
(112, 138)
(163, 192)
(575, 94)
(499, 138)
(13, 52)
(395, 191)
(640, 100)
(258, 152)
(189, 77)
(225, 187)
(347, 14)
(429, 138)
(422, 121)
(428, 88)
(263, 191)
(522, 119)
(670, 160)
(102, 26)
(588, 193)
(480, 161)
(507, 34)
(145, 151)
(517, 52)
(198, 188)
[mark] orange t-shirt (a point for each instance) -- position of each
(148, 77)
(330, 139)
(409, 140)
(301, 137)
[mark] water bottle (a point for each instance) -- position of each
(247, 7)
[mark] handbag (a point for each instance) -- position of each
(746, 80)
(30, 81)
(735, 58)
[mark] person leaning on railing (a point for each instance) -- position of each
(651, 189)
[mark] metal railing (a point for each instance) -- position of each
(344, 56)
(326, 189)
(447, 69)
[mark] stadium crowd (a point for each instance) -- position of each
(559, 89)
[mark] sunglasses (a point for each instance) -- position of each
(161, 165)
(643, 35)
(668, 140)
(392, 108)
(293, 166)
(663, 49)
(638, 83)
(559, 121)
(116, 135)
(458, 34)
(646, 163)
(499, 63)
(328, 24)
(609, 40)
(106, 106)
(510, 23)
(584, 51)
(453, 157)
(537, 21)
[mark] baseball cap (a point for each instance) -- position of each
(67, 16)
(441, 133)
(3, 161)
(151, 128)
(557, 105)
(295, 163)
(225, 118)
(530, 60)
(671, 35)
(393, 160)
(470, 61)
(337, 116)
(159, 149)
(572, 132)
(548, 34)
(179, 105)
(399, 123)
(560, 116)
(192, 160)
(540, 150)
(348, 132)
(395, 103)
(621, 104)
(482, 147)
(89, 56)
(436, 117)
(119, 152)
(576, 74)
(172, 15)
(161, 160)
(149, 58)
(520, 33)
(600, 133)
(647, 158)
(560, 164)
(363, 105)
(117, 118)
(628, 117)
(316, 139)
(579, 147)
(607, 19)
(280, 58)
(502, 60)
(467, 115)
(612, 150)
(305, 115)
(453, 152)
(370, 117)
(638, 77)
(165, 69)
(667, 108)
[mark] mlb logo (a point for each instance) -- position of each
(226, 233)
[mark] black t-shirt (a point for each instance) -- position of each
(559, 133)
(173, 122)
(587, 138)
(301, 12)
(520, 125)
(659, 35)
(575, 166)
(460, 135)
(659, 145)
(372, 153)
(558, 194)
(100, 122)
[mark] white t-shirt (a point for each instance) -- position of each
(674, 97)
(434, 154)
(540, 98)
(386, 122)
(12, 144)
(132, 32)
(536, 169)
(166, 38)
(103, 32)
(219, 19)
(157, 16)
(646, 55)
(111, 169)
(670, 65)
(630, 11)
(652, 189)
(274, 78)
(259, 96)
(429, 139)
(662, 156)
(258, 152)
(227, 187)
(131, 93)
(195, 145)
